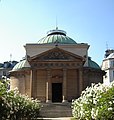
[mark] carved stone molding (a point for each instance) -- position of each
(56, 64)
(55, 55)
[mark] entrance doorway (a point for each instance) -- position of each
(56, 92)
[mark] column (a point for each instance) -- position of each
(48, 87)
(64, 85)
(80, 81)
(31, 74)
(33, 82)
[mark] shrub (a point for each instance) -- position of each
(15, 106)
(95, 103)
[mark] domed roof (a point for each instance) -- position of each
(56, 37)
(21, 65)
(93, 64)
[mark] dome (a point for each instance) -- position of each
(92, 64)
(56, 37)
(21, 65)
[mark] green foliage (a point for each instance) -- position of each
(15, 106)
(95, 103)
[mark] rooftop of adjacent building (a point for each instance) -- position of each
(108, 53)
(110, 56)
(8, 64)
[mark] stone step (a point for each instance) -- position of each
(53, 110)
(61, 118)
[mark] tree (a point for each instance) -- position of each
(15, 106)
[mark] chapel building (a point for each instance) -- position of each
(56, 69)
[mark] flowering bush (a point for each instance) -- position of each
(15, 106)
(95, 103)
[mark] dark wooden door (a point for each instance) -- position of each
(56, 92)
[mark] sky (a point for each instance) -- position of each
(27, 21)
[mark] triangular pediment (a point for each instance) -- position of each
(57, 54)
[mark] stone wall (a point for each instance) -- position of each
(72, 84)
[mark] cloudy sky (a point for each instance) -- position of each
(27, 21)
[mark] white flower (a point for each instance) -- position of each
(109, 109)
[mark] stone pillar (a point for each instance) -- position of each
(80, 80)
(64, 85)
(30, 85)
(33, 83)
(48, 87)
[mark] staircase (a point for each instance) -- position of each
(53, 110)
